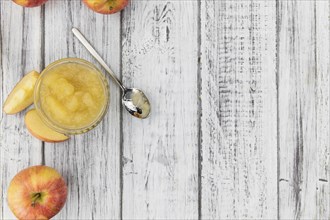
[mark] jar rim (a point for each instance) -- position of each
(56, 126)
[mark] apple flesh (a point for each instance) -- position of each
(40, 130)
(38, 192)
(22, 94)
(106, 6)
(30, 3)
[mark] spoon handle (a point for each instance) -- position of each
(90, 48)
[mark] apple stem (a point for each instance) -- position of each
(35, 198)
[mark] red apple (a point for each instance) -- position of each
(38, 192)
(30, 3)
(106, 6)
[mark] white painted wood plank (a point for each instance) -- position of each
(160, 49)
(239, 114)
(20, 52)
(304, 109)
(322, 21)
(90, 162)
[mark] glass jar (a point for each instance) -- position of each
(69, 90)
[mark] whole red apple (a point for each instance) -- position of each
(30, 3)
(106, 6)
(38, 192)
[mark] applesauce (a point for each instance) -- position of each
(71, 96)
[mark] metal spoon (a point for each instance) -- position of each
(134, 100)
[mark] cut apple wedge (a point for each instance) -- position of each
(40, 130)
(22, 94)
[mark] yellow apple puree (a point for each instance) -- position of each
(72, 95)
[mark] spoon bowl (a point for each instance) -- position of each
(136, 103)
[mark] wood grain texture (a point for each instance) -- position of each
(238, 96)
(245, 82)
(322, 21)
(304, 109)
(160, 164)
(19, 53)
(89, 162)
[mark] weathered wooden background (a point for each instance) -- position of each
(240, 124)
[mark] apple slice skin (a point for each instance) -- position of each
(22, 95)
(40, 130)
(37, 179)
(106, 6)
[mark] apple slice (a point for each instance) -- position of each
(22, 94)
(40, 130)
